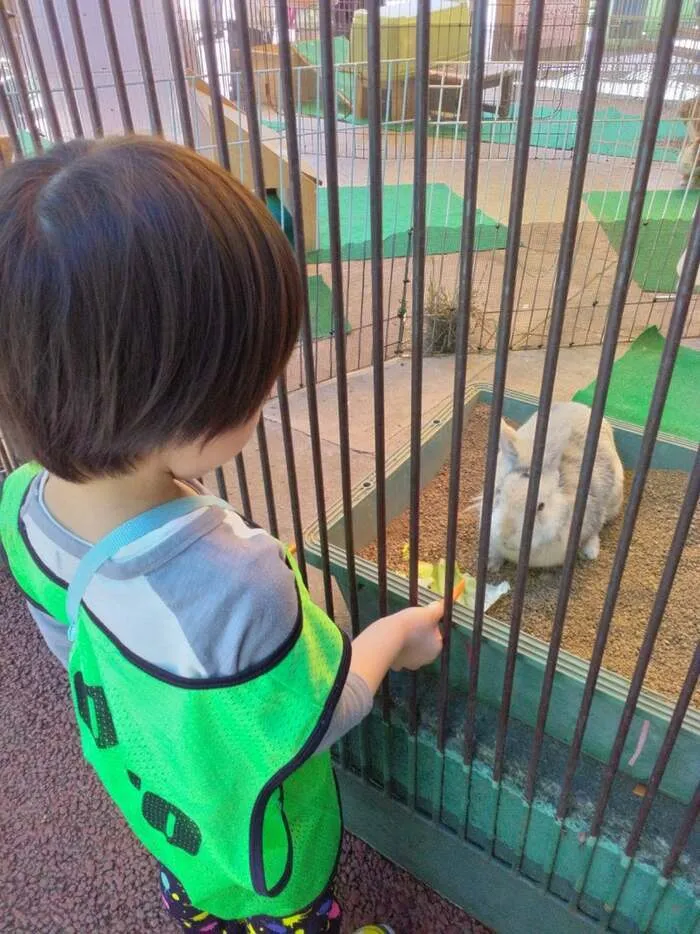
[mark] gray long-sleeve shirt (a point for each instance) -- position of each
(204, 596)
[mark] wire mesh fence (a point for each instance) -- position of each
(561, 220)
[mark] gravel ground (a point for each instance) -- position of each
(69, 865)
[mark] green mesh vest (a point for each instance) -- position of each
(217, 777)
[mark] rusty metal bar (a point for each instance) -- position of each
(300, 246)
(9, 120)
(183, 103)
(40, 68)
(681, 838)
(217, 110)
(85, 70)
(374, 120)
(466, 270)
(259, 182)
(63, 69)
(146, 68)
(420, 174)
(559, 307)
(622, 278)
(515, 219)
(18, 73)
(674, 728)
(675, 553)
(116, 66)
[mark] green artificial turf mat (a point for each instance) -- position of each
(663, 235)
(321, 308)
(632, 386)
(443, 222)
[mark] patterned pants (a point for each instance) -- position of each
(323, 917)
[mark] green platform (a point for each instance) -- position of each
(632, 386)
(663, 235)
(443, 221)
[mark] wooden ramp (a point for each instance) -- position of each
(276, 170)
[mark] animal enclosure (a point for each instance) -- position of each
(482, 183)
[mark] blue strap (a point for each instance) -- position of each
(130, 531)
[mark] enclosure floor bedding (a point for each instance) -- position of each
(655, 524)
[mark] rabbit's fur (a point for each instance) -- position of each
(566, 435)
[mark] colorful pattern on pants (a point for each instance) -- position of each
(323, 917)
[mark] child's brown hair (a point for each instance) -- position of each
(146, 298)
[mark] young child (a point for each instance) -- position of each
(147, 304)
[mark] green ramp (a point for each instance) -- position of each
(321, 309)
(443, 222)
(632, 385)
(663, 235)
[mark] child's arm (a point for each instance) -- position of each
(410, 638)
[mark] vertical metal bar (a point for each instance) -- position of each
(681, 838)
(299, 242)
(85, 71)
(515, 219)
(331, 146)
(8, 119)
(63, 69)
(259, 182)
(640, 180)
(674, 728)
(559, 307)
(183, 103)
(217, 110)
(116, 65)
(146, 68)
(420, 173)
(465, 288)
(374, 119)
(40, 67)
(675, 552)
(18, 73)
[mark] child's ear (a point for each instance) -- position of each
(507, 443)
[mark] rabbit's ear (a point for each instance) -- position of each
(507, 443)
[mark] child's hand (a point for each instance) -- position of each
(421, 636)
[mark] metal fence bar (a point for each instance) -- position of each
(515, 219)
(146, 68)
(559, 308)
(40, 69)
(8, 119)
(300, 246)
(689, 819)
(18, 73)
(465, 295)
(63, 69)
(178, 68)
(115, 62)
(374, 119)
(654, 781)
(259, 183)
(85, 70)
(420, 174)
(217, 109)
(620, 287)
(675, 552)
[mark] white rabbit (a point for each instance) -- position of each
(566, 435)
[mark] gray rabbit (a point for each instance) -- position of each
(566, 435)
